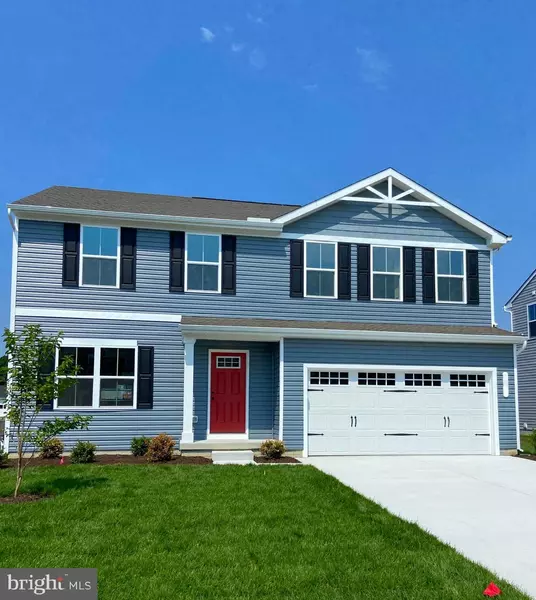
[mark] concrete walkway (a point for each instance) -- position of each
(484, 506)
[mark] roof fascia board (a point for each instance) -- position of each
(508, 305)
(493, 237)
(268, 333)
(321, 203)
(150, 221)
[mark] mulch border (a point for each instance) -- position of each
(128, 459)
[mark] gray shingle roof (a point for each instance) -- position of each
(153, 204)
(347, 326)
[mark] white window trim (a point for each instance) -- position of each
(117, 257)
(462, 277)
(97, 345)
(198, 262)
(529, 320)
(373, 272)
(333, 270)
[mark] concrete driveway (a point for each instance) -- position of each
(484, 506)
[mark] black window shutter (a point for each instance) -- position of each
(71, 254)
(46, 369)
(128, 258)
(228, 268)
(145, 377)
(344, 268)
(473, 286)
(363, 272)
(296, 269)
(428, 275)
(176, 261)
(410, 294)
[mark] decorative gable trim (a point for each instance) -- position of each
(366, 191)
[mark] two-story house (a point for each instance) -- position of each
(522, 309)
(360, 323)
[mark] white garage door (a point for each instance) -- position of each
(398, 412)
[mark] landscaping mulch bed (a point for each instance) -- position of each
(116, 459)
(527, 456)
(23, 498)
(276, 461)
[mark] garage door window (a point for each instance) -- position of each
(467, 380)
(328, 378)
(422, 379)
(376, 379)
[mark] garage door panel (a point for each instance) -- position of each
(436, 416)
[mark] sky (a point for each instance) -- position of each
(274, 101)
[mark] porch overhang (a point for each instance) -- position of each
(224, 328)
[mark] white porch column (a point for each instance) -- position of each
(188, 402)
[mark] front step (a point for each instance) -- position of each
(230, 457)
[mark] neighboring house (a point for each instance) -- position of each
(361, 323)
(522, 309)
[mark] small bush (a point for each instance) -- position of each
(52, 448)
(139, 446)
(3, 459)
(161, 448)
(533, 442)
(83, 452)
(273, 449)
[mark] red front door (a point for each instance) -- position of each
(228, 392)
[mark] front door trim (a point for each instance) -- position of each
(227, 436)
(491, 372)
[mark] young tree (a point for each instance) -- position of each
(32, 383)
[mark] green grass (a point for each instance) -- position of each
(159, 532)
(527, 444)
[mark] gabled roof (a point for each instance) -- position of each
(508, 305)
(397, 189)
(152, 204)
(386, 187)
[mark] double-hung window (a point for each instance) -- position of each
(106, 376)
(320, 269)
(450, 276)
(532, 320)
(203, 263)
(100, 256)
(386, 273)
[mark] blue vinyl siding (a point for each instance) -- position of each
(360, 220)
(262, 285)
(262, 386)
(526, 361)
(114, 429)
(299, 352)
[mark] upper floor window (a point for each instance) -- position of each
(386, 273)
(100, 256)
(450, 276)
(532, 320)
(320, 267)
(203, 260)
(105, 378)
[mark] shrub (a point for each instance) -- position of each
(52, 448)
(83, 452)
(273, 449)
(139, 446)
(161, 448)
(533, 441)
(3, 459)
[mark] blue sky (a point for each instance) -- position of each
(280, 101)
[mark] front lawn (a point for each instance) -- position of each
(159, 532)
